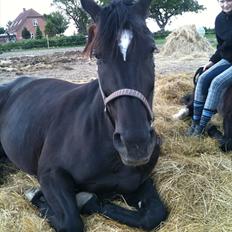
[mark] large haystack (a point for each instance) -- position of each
(186, 41)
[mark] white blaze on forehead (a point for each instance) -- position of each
(124, 42)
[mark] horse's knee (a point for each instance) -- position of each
(69, 223)
(153, 219)
(88, 203)
(71, 226)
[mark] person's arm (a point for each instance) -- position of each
(226, 48)
(208, 65)
(217, 55)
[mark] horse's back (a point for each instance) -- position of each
(28, 108)
(9, 87)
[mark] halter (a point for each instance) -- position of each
(129, 93)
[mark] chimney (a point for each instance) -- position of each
(24, 9)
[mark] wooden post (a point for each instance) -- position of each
(47, 40)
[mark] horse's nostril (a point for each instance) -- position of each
(152, 134)
(119, 144)
(154, 138)
(118, 140)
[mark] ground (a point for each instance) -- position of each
(68, 64)
(193, 176)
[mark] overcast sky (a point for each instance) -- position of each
(10, 9)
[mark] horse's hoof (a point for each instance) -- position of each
(183, 113)
(82, 198)
(31, 193)
(226, 145)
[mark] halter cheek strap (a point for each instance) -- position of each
(126, 92)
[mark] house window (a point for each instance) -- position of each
(20, 21)
(35, 22)
(32, 35)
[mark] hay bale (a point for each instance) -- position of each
(186, 41)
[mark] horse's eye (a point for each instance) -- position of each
(96, 54)
(152, 49)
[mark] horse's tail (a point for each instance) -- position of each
(6, 89)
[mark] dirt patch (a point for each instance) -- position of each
(72, 66)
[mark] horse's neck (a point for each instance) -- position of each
(99, 109)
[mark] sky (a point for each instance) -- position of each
(10, 9)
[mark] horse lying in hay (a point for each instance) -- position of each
(91, 142)
(224, 109)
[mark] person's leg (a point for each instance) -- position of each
(217, 86)
(201, 91)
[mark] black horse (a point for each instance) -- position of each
(225, 109)
(91, 141)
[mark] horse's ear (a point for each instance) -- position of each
(141, 7)
(92, 8)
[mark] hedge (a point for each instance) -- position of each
(64, 41)
(161, 34)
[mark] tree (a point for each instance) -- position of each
(9, 23)
(2, 30)
(38, 33)
(50, 29)
(26, 34)
(56, 24)
(163, 10)
(73, 10)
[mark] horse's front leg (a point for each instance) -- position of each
(151, 209)
(62, 211)
(149, 213)
(227, 125)
(225, 141)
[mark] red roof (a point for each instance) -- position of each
(19, 21)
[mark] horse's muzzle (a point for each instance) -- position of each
(135, 149)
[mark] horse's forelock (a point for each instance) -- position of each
(113, 19)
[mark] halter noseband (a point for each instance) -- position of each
(126, 92)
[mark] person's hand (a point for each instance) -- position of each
(208, 65)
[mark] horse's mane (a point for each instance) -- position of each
(87, 52)
(112, 20)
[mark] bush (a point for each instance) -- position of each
(161, 34)
(26, 34)
(64, 41)
(209, 30)
(38, 33)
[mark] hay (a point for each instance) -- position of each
(185, 41)
(193, 177)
